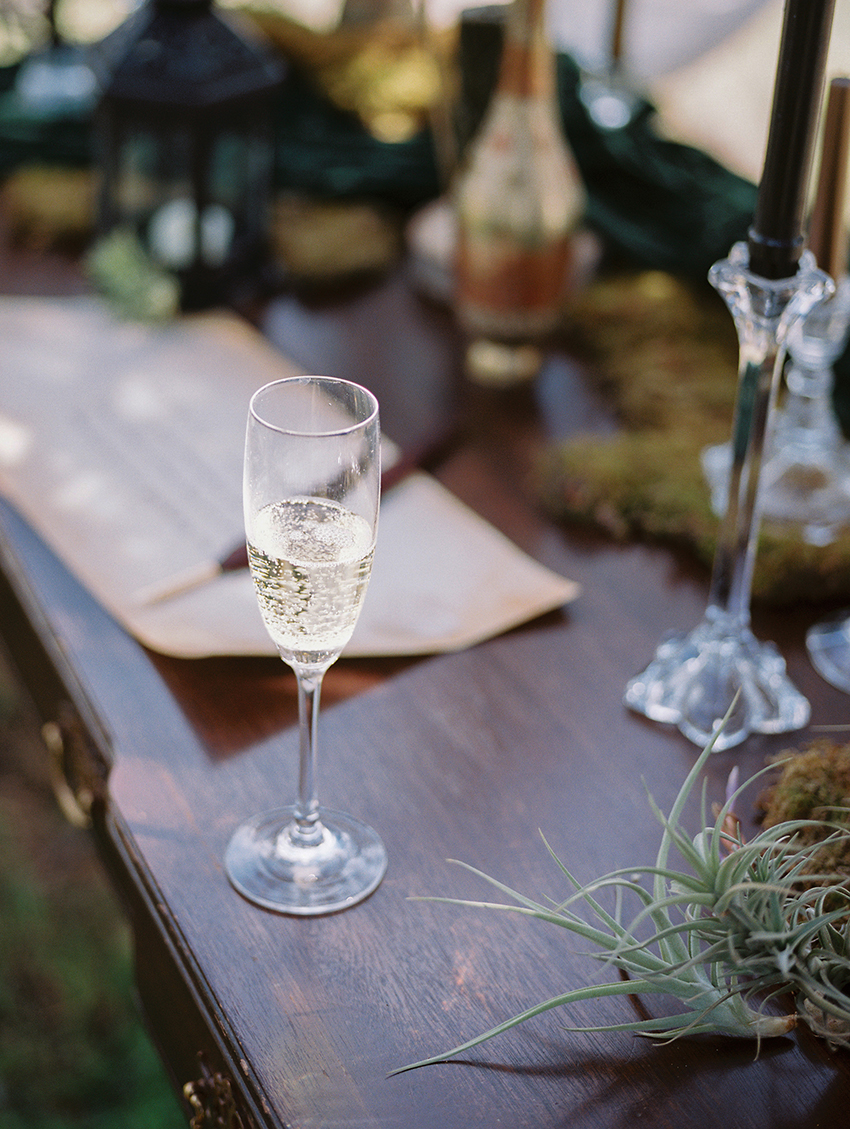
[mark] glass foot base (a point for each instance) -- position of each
(502, 364)
(828, 644)
(270, 869)
(693, 680)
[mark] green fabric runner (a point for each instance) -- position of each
(655, 202)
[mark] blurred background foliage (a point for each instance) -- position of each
(73, 1050)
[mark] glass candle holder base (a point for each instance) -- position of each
(828, 644)
(807, 488)
(810, 491)
(694, 677)
(267, 864)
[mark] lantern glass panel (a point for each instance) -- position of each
(185, 124)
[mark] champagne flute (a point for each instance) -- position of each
(311, 493)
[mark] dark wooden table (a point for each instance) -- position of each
(465, 756)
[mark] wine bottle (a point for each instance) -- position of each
(518, 198)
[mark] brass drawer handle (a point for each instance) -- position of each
(211, 1100)
(77, 772)
(75, 806)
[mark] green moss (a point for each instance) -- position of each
(814, 785)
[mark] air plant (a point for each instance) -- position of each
(731, 933)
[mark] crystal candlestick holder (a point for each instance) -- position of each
(805, 479)
(694, 677)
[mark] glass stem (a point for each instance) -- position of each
(732, 575)
(307, 828)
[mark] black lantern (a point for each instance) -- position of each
(185, 130)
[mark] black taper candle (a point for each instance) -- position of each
(776, 237)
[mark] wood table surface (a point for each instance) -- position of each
(468, 756)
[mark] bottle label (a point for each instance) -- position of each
(498, 279)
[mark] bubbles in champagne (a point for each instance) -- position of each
(310, 560)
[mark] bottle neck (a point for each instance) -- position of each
(527, 68)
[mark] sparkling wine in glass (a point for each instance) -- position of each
(311, 492)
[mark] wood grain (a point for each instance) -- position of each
(465, 756)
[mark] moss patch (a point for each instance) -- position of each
(815, 785)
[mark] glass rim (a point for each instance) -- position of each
(371, 400)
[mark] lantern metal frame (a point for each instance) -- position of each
(185, 137)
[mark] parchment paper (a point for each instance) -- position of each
(121, 444)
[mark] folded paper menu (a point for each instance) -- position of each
(121, 444)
